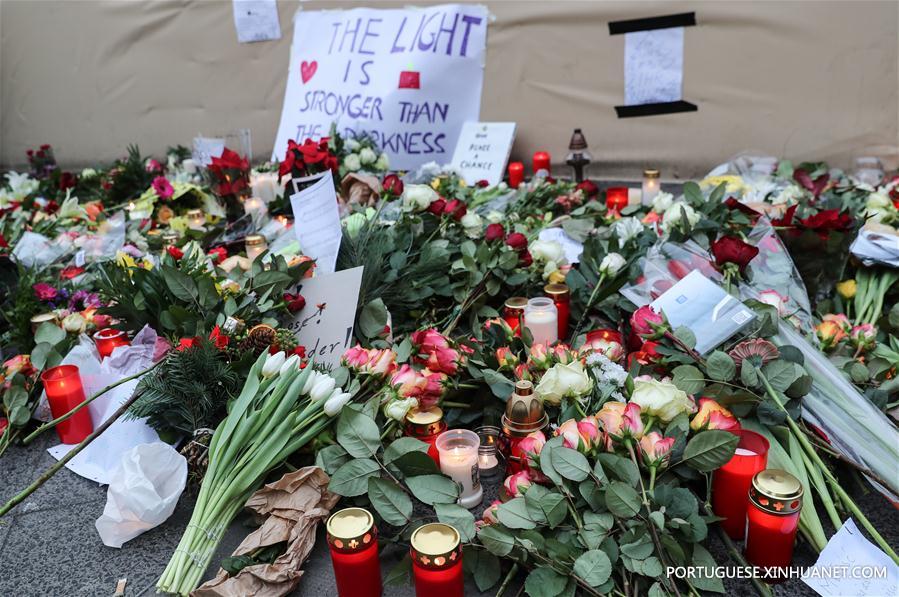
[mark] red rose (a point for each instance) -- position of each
(517, 241)
(648, 324)
(175, 252)
(71, 271)
(730, 249)
(218, 254)
(437, 206)
(589, 188)
(295, 302)
(494, 232)
(45, 147)
(787, 219)
(455, 208)
(525, 259)
(393, 185)
(3, 243)
(483, 183)
(52, 207)
(300, 351)
(733, 204)
(67, 180)
(826, 220)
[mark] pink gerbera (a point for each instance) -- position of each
(163, 187)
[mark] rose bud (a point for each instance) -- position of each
(631, 424)
(490, 515)
(531, 445)
(610, 417)
(655, 450)
(589, 188)
(864, 336)
(525, 259)
(455, 208)
(429, 340)
(446, 360)
(506, 358)
(516, 485)
(829, 333)
(381, 362)
(494, 232)
(648, 324)
(437, 206)
(841, 319)
(580, 435)
(517, 241)
(294, 302)
(712, 415)
(393, 185)
(539, 355)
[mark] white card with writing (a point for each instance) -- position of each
(653, 66)
(573, 248)
(846, 562)
(206, 148)
(317, 221)
(325, 325)
(482, 151)
(256, 20)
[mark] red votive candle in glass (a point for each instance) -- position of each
(437, 561)
(65, 392)
(107, 340)
(353, 539)
(426, 425)
(731, 482)
(516, 174)
(616, 198)
(513, 312)
(775, 500)
(542, 161)
(561, 297)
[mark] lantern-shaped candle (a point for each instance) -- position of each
(426, 425)
(108, 339)
(772, 518)
(616, 198)
(542, 163)
(542, 319)
(731, 482)
(255, 246)
(488, 451)
(561, 297)
(651, 186)
(170, 239)
(437, 561)
(513, 312)
(65, 392)
(196, 219)
(516, 174)
(459, 461)
(353, 539)
(524, 415)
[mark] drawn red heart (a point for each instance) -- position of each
(307, 69)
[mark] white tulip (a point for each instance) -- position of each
(336, 402)
(273, 364)
(313, 378)
(611, 264)
(322, 389)
(289, 365)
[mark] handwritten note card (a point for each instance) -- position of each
(653, 66)
(256, 20)
(317, 221)
(206, 148)
(841, 568)
(482, 151)
(325, 325)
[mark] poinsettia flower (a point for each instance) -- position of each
(816, 187)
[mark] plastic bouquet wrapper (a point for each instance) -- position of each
(37, 251)
(665, 264)
(877, 244)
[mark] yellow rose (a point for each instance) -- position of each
(847, 288)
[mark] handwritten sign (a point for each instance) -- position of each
(206, 148)
(407, 78)
(653, 66)
(317, 221)
(482, 151)
(325, 325)
(256, 20)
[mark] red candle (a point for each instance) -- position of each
(437, 561)
(731, 482)
(772, 518)
(513, 312)
(516, 174)
(607, 334)
(353, 539)
(541, 161)
(561, 297)
(426, 425)
(616, 198)
(107, 339)
(65, 392)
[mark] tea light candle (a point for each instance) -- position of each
(616, 198)
(255, 245)
(196, 219)
(542, 163)
(108, 339)
(731, 482)
(437, 561)
(516, 174)
(458, 450)
(488, 461)
(353, 541)
(542, 319)
(65, 392)
(651, 186)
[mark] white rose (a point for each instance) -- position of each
(661, 399)
(473, 224)
(564, 381)
(417, 197)
(788, 196)
(351, 144)
(495, 217)
(626, 229)
(367, 156)
(273, 364)
(611, 264)
(336, 402)
(547, 250)
(662, 202)
(74, 323)
(383, 163)
(352, 162)
(88, 173)
(397, 409)
(674, 216)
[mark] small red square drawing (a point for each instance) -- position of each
(410, 79)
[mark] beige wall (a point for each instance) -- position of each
(806, 80)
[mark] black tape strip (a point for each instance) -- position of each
(655, 109)
(684, 19)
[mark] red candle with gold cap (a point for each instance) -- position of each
(426, 425)
(437, 561)
(513, 312)
(775, 500)
(353, 540)
(542, 161)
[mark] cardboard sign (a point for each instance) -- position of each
(408, 78)
(325, 325)
(317, 220)
(482, 151)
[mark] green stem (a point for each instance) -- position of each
(512, 571)
(580, 321)
(761, 588)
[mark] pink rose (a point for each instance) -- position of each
(381, 362)
(429, 340)
(611, 349)
(864, 336)
(530, 447)
(444, 359)
(655, 450)
(432, 391)
(515, 485)
(355, 357)
(712, 415)
(490, 515)
(506, 358)
(580, 435)
(408, 382)
(648, 324)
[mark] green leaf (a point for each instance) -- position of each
(546, 506)
(622, 468)
(50, 333)
(373, 318)
(685, 335)
(19, 415)
(514, 514)
(748, 374)
(545, 582)
(331, 458)
(499, 384)
(546, 465)
(351, 479)
(391, 502)
(482, 565)
(39, 355)
(720, 366)
(570, 464)
(416, 463)
(593, 567)
(460, 518)
(781, 374)
(707, 581)
(15, 396)
(622, 500)
(358, 434)
(710, 449)
(401, 574)
(689, 379)
(402, 446)
(433, 489)
(179, 284)
(497, 540)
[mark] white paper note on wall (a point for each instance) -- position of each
(317, 221)
(256, 20)
(653, 66)
(206, 148)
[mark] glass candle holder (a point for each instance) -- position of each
(426, 426)
(196, 219)
(731, 482)
(459, 461)
(868, 170)
(437, 561)
(108, 339)
(170, 239)
(353, 541)
(542, 318)
(616, 198)
(775, 501)
(651, 186)
(489, 465)
(516, 174)
(65, 392)
(513, 312)
(561, 297)
(255, 246)
(542, 163)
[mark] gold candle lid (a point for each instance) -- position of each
(416, 416)
(195, 213)
(44, 317)
(776, 492)
(517, 302)
(351, 530)
(556, 289)
(650, 174)
(436, 546)
(524, 411)
(254, 240)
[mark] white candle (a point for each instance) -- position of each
(266, 186)
(651, 186)
(458, 450)
(542, 319)
(487, 461)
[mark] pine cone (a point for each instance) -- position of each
(259, 338)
